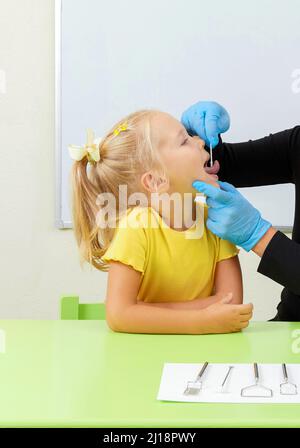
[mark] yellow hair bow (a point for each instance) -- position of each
(90, 149)
(120, 128)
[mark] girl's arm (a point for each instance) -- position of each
(228, 278)
(123, 314)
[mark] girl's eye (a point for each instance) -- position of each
(185, 141)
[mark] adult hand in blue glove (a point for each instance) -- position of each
(231, 216)
(207, 119)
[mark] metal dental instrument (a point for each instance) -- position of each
(211, 155)
(287, 388)
(256, 390)
(226, 378)
(193, 387)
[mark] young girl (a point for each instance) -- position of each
(161, 279)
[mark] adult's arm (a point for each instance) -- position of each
(274, 159)
(266, 161)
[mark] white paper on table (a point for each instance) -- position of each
(176, 375)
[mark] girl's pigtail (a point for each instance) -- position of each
(84, 210)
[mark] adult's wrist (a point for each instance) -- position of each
(262, 244)
(260, 230)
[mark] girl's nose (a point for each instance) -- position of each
(199, 141)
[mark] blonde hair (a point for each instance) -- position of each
(123, 159)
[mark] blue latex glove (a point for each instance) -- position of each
(207, 119)
(231, 216)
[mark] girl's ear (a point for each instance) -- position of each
(163, 183)
(152, 182)
(148, 181)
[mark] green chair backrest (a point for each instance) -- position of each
(71, 309)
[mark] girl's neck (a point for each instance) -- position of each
(177, 217)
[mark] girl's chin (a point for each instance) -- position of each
(211, 179)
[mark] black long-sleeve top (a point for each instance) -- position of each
(274, 159)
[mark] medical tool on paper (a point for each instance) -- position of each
(256, 389)
(287, 388)
(193, 387)
(223, 386)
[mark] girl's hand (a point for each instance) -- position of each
(222, 317)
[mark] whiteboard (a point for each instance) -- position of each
(115, 57)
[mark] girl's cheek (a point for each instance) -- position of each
(201, 173)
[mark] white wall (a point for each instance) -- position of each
(38, 262)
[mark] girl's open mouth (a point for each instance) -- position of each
(212, 170)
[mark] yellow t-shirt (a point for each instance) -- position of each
(175, 265)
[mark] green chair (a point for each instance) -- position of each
(70, 308)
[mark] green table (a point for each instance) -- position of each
(80, 373)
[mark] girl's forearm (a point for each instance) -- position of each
(140, 318)
(196, 304)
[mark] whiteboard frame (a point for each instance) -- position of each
(59, 222)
